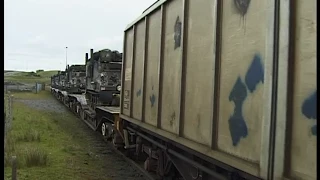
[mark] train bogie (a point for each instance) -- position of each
(217, 78)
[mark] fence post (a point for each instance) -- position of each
(14, 168)
(4, 122)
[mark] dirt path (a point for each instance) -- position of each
(90, 157)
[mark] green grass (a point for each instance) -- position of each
(25, 77)
(32, 95)
(47, 74)
(48, 145)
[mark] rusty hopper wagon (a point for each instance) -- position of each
(221, 89)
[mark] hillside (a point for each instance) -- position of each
(29, 77)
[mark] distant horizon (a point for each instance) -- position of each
(30, 70)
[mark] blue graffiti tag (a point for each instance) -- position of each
(152, 99)
(138, 93)
(237, 124)
(177, 33)
(309, 109)
(255, 75)
(242, 6)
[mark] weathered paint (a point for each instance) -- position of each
(303, 157)
(309, 109)
(237, 124)
(138, 70)
(255, 74)
(138, 93)
(242, 56)
(177, 33)
(242, 6)
(200, 70)
(128, 71)
(152, 100)
(171, 66)
(152, 60)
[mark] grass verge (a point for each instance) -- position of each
(42, 77)
(48, 145)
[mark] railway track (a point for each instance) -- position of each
(139, 166)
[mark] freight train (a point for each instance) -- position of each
(219, 89)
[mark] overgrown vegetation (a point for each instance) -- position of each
(48, 145)
(40, 76)
(32, 95)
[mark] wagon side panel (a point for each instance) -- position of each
(245, 79)
(200, 57)
(303, 151)
(139, 50)
(171, 73)
(127, 72)
(152, 75)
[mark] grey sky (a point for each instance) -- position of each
(37, 31)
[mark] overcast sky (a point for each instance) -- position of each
(37, 31)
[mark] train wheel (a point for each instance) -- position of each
(103, 129)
